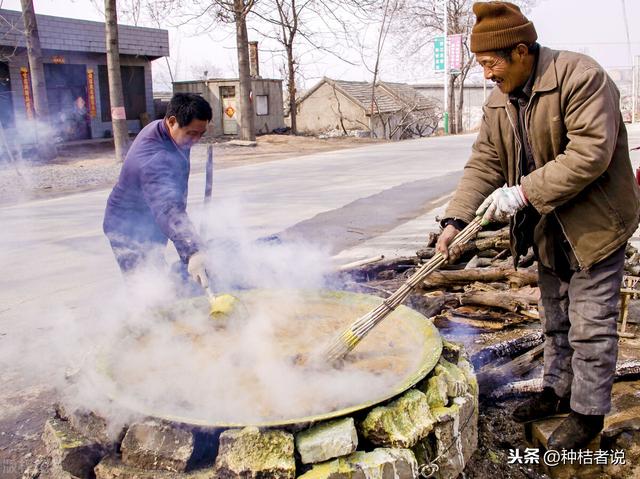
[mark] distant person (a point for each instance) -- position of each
(75, 121)
(148, 204)
(552, 158)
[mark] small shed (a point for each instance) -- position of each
(223, 95)
(399, 111)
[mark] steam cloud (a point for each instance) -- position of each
(123, 346)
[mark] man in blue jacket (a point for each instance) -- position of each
(148, 204)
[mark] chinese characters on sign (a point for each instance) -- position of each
(586, 457)
(454, 52)
(91, 92)
(26, 92)
(438, 54)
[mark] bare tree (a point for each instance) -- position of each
(205, 15)
(206, 70)
(390, 8)
(241, 9)
(46, 147)
(116, 96)
(302, 27)
(295, 23)
(421, 20)
(286, 16)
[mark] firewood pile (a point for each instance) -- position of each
(483, 301)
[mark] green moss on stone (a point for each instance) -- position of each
(436, 389)
(456, 380)
(368, 465)
(251, 452)
(327, 440)
(401, 423)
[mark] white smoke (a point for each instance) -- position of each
(122, 354)
(19, 152)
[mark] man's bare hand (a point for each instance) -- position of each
(442, 246)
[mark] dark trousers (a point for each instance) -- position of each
(133, 255)
(579, 318)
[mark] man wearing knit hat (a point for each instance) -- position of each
(552, 158)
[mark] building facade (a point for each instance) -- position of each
(474, 97)
(398, 111)
(223, 95)
(75, 67)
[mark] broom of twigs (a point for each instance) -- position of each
(351, 337)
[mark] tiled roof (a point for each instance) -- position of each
(409, 95)
(389, 97)
(361, 92)
(59, 33)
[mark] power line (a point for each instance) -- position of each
(626, 27)
(592, 43)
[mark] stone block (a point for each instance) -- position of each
(71, 453)
(436, 389)
(401, 423)
(327, 441)
(467, 369)
(253, 454)
(89, 424)
(451, 351)
(454, 438)
(157, 445)
(456, 381)
(381, 463)
(113, 468)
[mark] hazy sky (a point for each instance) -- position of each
(595, 27)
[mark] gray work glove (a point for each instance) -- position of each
(502, 204)
(197, 269)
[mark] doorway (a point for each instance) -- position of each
(67, 96)
(229, 110)
(6, 101)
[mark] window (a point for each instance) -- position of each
(133, 87)
(227, 91)
(262, 105)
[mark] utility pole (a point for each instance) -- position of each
(633, 62)
(116, 96)
(634, 88)
(446, 69)
(46, 147)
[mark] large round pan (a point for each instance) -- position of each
(405, 337)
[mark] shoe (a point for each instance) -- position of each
(575, 432)
(545, 404)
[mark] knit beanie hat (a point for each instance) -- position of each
(500, 25)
